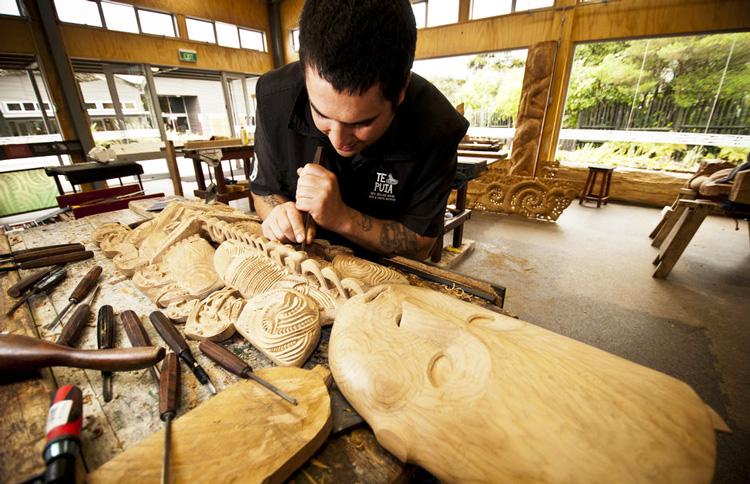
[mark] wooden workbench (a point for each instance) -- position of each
(131, 416)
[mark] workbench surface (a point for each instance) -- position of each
(132, 415)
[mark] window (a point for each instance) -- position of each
(14, 106)
(120, 17)
(252, 39)
(9, 7)
(90, 105)
(295, 39)
(227, 35)
(200, 30)
(108, 106)
(420, 13)
(128, 105)
(156, 23)
(82, 12)
(493, 8)
(29, 107)
(442, 12)
(45, 106)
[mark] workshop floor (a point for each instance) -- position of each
(588, 277)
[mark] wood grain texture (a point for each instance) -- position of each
(472, 395)
(244, 434)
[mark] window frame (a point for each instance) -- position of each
(19, 7)
(198, 19)
(512, 10)
(104, 18)
(175, 29)
(262, 34)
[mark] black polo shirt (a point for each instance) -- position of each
(404, 176)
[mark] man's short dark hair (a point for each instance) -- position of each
(355, 44)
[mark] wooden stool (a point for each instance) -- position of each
(588, 189)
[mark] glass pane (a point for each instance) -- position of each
(177, 105)
(295, 40)
(81, 12)
(238, 104)
(490, 8)
(140, 123)
(532, 4)
(420, 14)
(156, 23)
(252, 39)
(9, 7)
(658, 104)
(204, 106)
(442, 12)
(19, 111)
(488, 85)
(200, 30)
(120, 17)
(227, 35)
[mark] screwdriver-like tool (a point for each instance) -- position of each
(234, 364)
(38, 253)
(169, 385)
(49, 261)
(21, 287)
(68, 247)
(45, 286)
(177, 342)
(80, 292)
(105, 339)
(77, 321)
(137, 336)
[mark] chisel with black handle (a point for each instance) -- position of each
(41, 253)
(45, 286)
(85, 286)
(50, 261)
(177, 342)
(25, 284)
(24, 353)
(137, 336)
(105, 339)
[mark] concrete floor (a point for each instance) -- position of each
(588, 277)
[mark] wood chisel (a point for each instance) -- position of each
(81, 290)
(24, 353)
(41, 252)
(19, 288)
(234, 364)
(308, 219)
(45, 286)
(64, 247)
(137, 336)
(177, 342)
(169, 385)
(105, 339)
(50, 261)
(77, 321)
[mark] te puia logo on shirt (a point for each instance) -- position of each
(383, 189)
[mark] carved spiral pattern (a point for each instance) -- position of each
(283, 324)
(252, 275)
(368, 272)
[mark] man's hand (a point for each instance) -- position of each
(281, 220)
(318, 193)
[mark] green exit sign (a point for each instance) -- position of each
(188, 55)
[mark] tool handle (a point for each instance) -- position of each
(169, 384)
(75, 246)
(46, 285)
(168, 332)
(38, 254)
(86, 284)
(23, 353)
(57, 259)
(105, 327)
(74, 326)
(225, 358)
(134, 329)
(20, 287)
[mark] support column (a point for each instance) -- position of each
(277, 39)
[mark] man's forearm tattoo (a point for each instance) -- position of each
(397, 239)
(272, 200)
(364, 222)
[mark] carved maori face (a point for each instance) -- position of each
(472, 395)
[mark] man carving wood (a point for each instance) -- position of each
(389, 137)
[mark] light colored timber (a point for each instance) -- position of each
(472, 395)
(244, 434)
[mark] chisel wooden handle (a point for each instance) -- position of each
(86, 284)
(22, 353)
(225, 358)
(74, 326)
(30, 256)
(73, 247)
(20, 287)
(105, 327)
(168, 332)
(169, 384)
(57, 259)
(134, 329)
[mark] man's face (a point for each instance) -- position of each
(351, 122)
